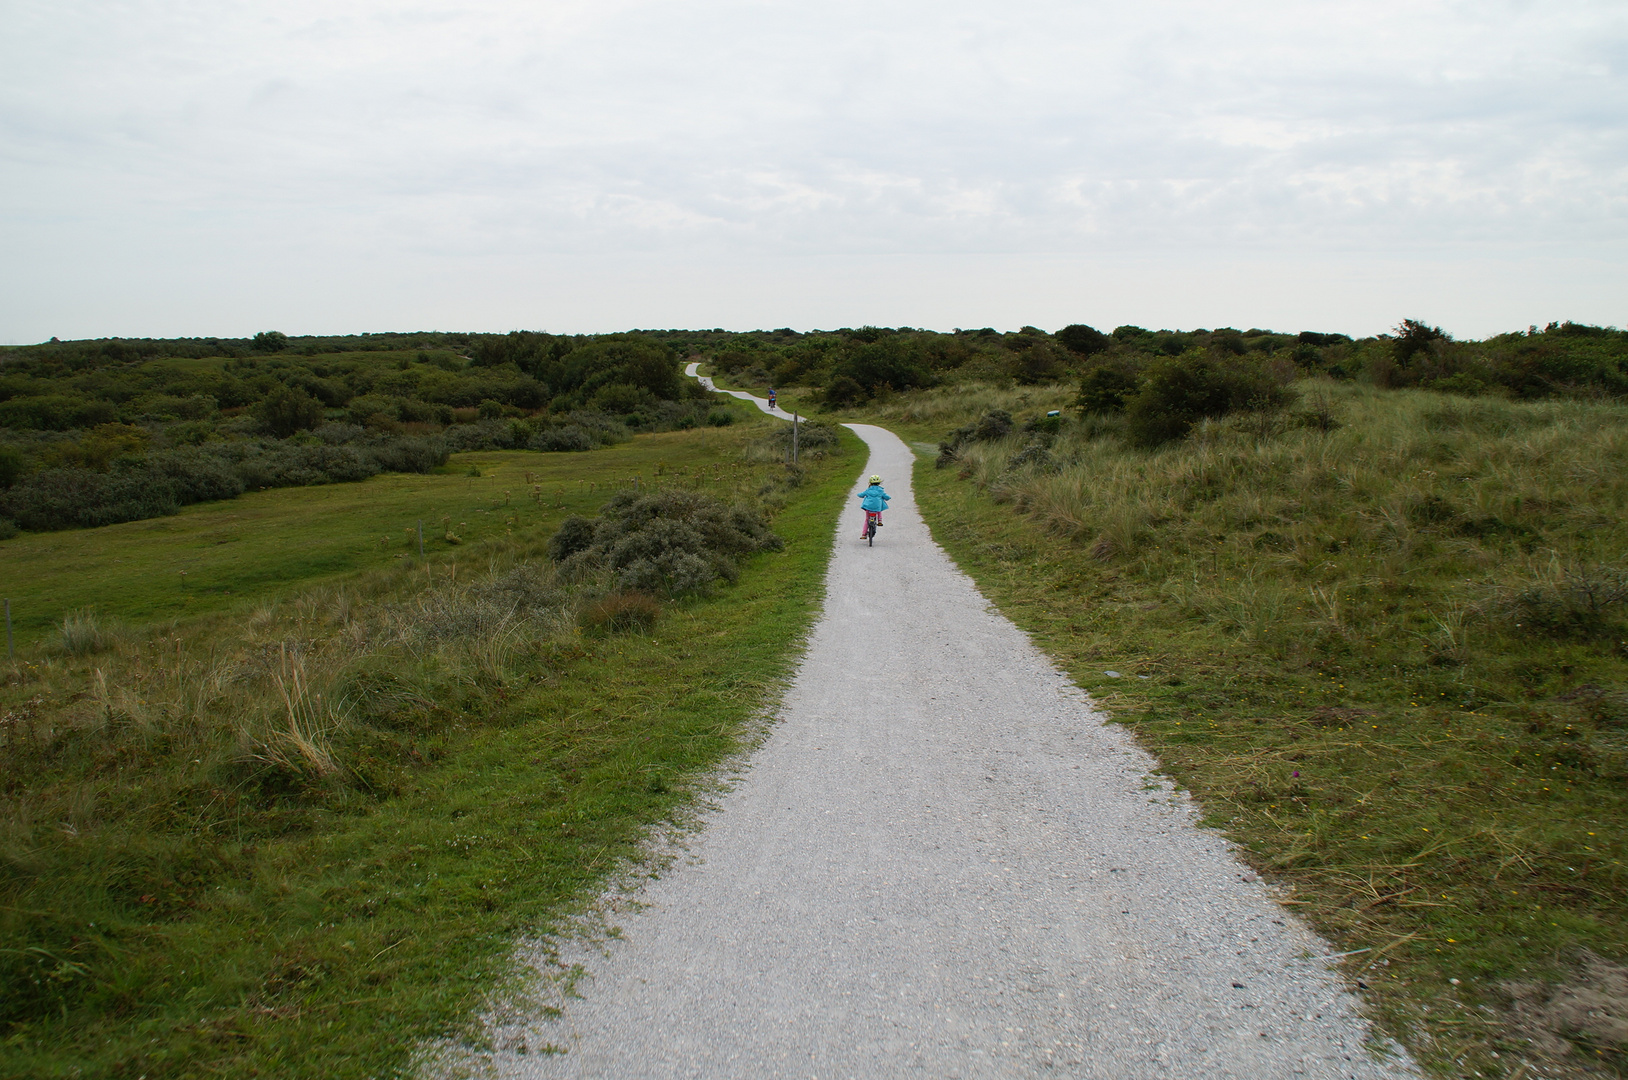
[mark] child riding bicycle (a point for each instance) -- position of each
(873, 500)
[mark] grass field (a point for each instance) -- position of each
(213, 556)
(302, 839)
(1385, 654)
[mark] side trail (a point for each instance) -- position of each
(942, 863)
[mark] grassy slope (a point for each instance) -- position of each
(326, 934)
(255, 545)
(1318, 617)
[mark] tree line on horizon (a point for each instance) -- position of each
(118, 429)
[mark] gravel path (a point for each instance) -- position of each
(942, 864)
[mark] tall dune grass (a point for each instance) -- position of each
(1483, 496)
(1383, 638)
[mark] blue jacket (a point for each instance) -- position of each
(873, 498)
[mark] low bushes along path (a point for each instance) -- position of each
(942, 863)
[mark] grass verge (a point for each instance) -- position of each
(1385, 653)
(300, 841)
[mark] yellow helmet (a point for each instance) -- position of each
(875, 479)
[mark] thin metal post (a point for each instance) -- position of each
(11, 652)
(420, 538)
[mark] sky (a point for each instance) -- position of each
(221, 167)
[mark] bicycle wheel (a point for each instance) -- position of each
(870, 531)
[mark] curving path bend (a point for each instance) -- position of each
(942, 863)
(693, 371)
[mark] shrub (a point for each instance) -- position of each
(621, 398)
(994, 424)
(576, 533)
(843, 391)
(571, 438)
(1083, 340)
(720, 418)
(622, 611)
(11, 465)
(288, 410)
(1034, 358)
(674, 573)
(163, 482)
(1413, 337)
(669, 543)
(78, 498)
(8, 528)
(811, 435)
(482, 435)
(1036, 455)
(1576, 601)
(600, 427)
(1179, 392)
(409, 455)
(339, 434)
(528, 587)
(1105, 389)
(889, 361)
(55, 412)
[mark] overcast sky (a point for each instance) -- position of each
(188, 167)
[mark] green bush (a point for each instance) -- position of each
(1083, 340)
(576, 533)
(571, 438)
(1179, 392)
(843, 391)
(1106, 388)
(55, 412)
(811, 435)
(161, 483)
(1414, 337)
(994, 424)
(11, 465)
(670, 543)
(288, 410)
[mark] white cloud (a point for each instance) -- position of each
(171, 167)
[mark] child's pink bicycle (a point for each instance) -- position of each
(873, 518)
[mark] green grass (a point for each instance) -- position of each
(1367, 654)
(200, 876)
(214, 556)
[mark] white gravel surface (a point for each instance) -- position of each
(942, 863)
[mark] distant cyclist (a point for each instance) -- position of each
(873, 500)
(771, 397)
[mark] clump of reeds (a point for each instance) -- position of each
(299, 739)
(84, 632)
